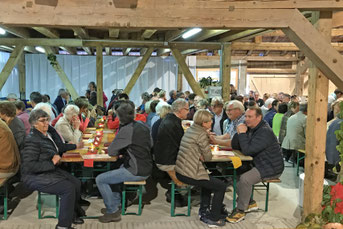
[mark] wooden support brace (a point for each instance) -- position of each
(226, 72)
(138, 71)
(187, 73)
(99, 76)
(12, 61)
(64, 78)
(22, 77)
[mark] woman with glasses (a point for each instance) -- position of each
(40, 170)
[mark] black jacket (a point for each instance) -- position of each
(59, 103)
(261, 144)
(134, 142)
(18, 129)
(62, 147)
(168, 140)
(37, 168)
(224, 117)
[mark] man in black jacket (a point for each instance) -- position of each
(255, 139)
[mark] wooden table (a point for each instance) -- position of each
(222, 158)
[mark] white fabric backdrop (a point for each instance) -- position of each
(12, 83)
(159, 72)
(40, 76)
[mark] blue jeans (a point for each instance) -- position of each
(112, 200)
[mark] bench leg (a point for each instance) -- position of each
(267, 198)
(172, 202)
(140, 194)
(39, 206)
(5, 202)
(234, 188)
(57, 206)
(123, 196)
(189, 202)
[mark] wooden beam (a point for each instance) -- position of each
(148, 33)
(316, 127)
(12, 13)
(173, 35)
(270, 71)
(240, 35)
(108, 51)
(274, 46)
(138, 71)
(316, 48)
(126, 51)
(160, 52)
(22, 77)
(143, 51)
(19, 32)
(99, 76)
(52, 33)
(113, 33)
(266, 58)
(12, 61)
(299, 81)
(179, 79)
(63, 76)
(132, 4)
(187, 73)
(83, 34)
(109, 43)
(226, 72)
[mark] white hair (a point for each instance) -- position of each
(70, 111)
(236, 104)
(45, 107)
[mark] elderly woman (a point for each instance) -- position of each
(8, 114)
(68, 125)
(40, 171)
(133, 144)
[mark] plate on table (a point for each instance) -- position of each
(223, 153)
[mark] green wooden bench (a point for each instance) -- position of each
(172, 202)
(264, 185)
(39, 204)
(4, 194)
(133, 186)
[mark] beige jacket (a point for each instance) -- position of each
(195, 142)
(9, 152)
(67, 131)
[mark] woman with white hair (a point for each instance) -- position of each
(68, 125)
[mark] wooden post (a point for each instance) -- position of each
(187, 73)
(22, 77)
(179, 79)
(138, 71)
(99, 76)
(64, 78)
(316, 128)
(226, 71)
(12, 61)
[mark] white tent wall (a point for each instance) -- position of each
(12, 83)
(40, 76)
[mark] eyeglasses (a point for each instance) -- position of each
(44, 120)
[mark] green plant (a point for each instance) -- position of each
(205, 82)
(53, 59)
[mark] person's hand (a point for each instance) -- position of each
(178, 183)
(56, 159)
(80, 145)
(213, 140)
(75, 122)
(202, 158)
(242, 128)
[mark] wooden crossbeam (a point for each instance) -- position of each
(52, 33)
(160, 52)
(63, 76)
(19, 32)
(83, 34)
(108, 51)
(12, 61)
(239, 35)
(316, 48)
(113, 33)
(126, 51)
(174, 34)
(148, 33)
(187, 73)
(138, 71)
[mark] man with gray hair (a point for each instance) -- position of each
(235, 112)
(172, 95)
(61, 100)
(168, 142)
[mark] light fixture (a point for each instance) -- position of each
(40, 49)
(2, 31)
(191, 32)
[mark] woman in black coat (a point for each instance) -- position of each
(40, 170)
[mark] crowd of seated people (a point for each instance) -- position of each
(273, 126)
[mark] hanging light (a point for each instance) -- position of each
(2, 31)
(40, 49)
(191, 32)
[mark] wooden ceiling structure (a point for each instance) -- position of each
(240, 26)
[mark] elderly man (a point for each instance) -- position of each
(69, 125)
(235, 111)
(172, 95)
(219, 115)
(168, 142)
(255, 139)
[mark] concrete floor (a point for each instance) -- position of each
(284, 212)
